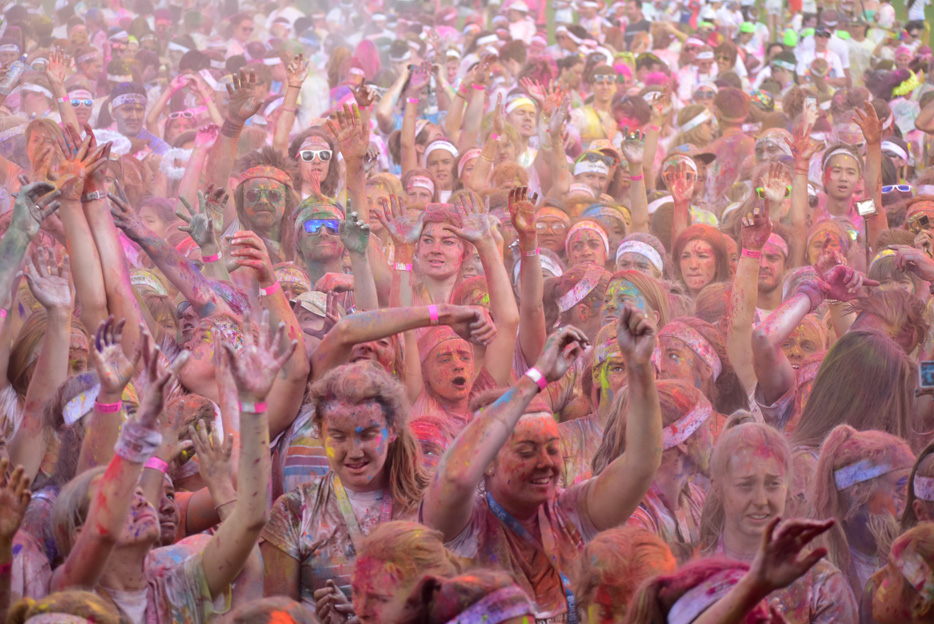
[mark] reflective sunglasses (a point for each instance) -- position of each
(186, 114)
(309, 155)
(604, 78)
(273, 195)
(761, 191)
(80, 103)
(313, 226)
(609, 161)
(904, 188)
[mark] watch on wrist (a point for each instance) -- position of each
(94, 196)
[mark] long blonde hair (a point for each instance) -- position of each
(365, 382)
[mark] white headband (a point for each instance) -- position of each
(581, 289)
(693, 340)
(275, 104)
(695, 121)
(90, 56)
(517, 103)
(705, 55)
(643, 249)
(592, 227)
(81, 94)
(917, 572)
(547, 263)
(177, 47)
(119, 78)
(128, 98)
(404, 57)
(487, 40)
(57, 618)
(421, 182)
(888, 146)
(218, 64)
(845, 152)
(924, 488)
(356, 71)
(272, 61)
(586, 166)
(9, 47)
(679, 431)
(81, 405)
(447, 146)
(120, 34)
(655, 204)
(860, 472)
(570, 35)
(701, 597)
(29, 86)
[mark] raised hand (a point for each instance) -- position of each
(157, 378)
(475, 218)
(14, 499)
(473, 324)
(780, 560)
(681, 182)
(756, 229)
(297, 71)
(561, 349)
(256, 366)
(561, 113)
(248, 250)
(334, 283)
(125, 217)
(352, 136)
(206, 135)
(421, 76)
(534, 88)
(522, 214)
(199, 222)
(775, 183)
(114, 368)
(58, 67)
(402, 229)
(869, 122)
(33, 204)
(243, 102)
(636, 335)
(365, 95)
(661, 106)
(214, 454)
(50, 283)
(354, 233)
(499, 116)
(633, 147)
(81, 160)
(802, 146)
(844, 284)
(914, 260)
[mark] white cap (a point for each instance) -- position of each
(518, 6)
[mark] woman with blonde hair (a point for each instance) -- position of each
(903, 590)
(695, 126)
(750, 471)
(316, 531)
(65, 606)
(642, 290)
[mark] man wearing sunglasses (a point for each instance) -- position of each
(318, 244)
(263, 199)
(595, 121)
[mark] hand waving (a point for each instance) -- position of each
(114, 369)
(681, 182)
(248, 250)
(50, 284)
(633, 147)
(354, 233)
(14, 499)
(199, 223)
(352, 136)
(775, 183)
(206, 135)
(636, 335)
(297, 71)
(801, 144)
(58, 66)
(561, 349)
(243, 102)
(522, 214)
(869, 122)
(780, 562)
(475, 219)
(255, 368)
(421, 76)
(402, 229)
(33, 204)
(757, 227)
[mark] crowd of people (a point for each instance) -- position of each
(411, 312)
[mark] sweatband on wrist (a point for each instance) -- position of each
(478, 87)
(210, 259)
(412, 100)
(401, 266)
(253, 408)
(654, 128)
(2, 313)
(531, 253)
(535, 375)
(750, 253)
(270, 290)
(108, 408)
(156, 464)
(137, 443)
(637, 177)
(433, 314)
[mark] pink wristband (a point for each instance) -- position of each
(478, 87)
(535, 375)
(531, 254)
(412, 100)
(2, 313)
(156, 464)
(494, 136)
(6, 568)
(654, 127)
(433, 314)
(401, 266)
(270, 290)
(253, 408)
(108, 408)
(749, 253)
(210, 259)
(637, 177)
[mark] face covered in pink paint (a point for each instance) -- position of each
(698, 263)
(382, 351)
(449, 370)
(356, 440)
(379, 591)
(752, 491)
(678, 361)
(439, 252)
(526, 470)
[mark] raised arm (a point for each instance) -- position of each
(55, 72)
(14, 499)
(417, 84)
(661, 109)
(255, 369)
(633, 149)
(190, 183)
(296, 71)
(869, 123)
(115, 491)
(803, 148)
(617, 490)
(551, 129)
(468, 132)
(50, 284)
(476, 230)
(450, 496)
(532, 331)
(201, 224)
(243, 104)
(757, 227)
(681, 184)
(152, 117)
(386, 108)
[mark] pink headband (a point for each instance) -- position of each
(917, 572)
(581, 289)
(700, 597)
(679, 431)
(603, 352)
(694, 341)
(421, 182)
(779, 242)
(466, 158)
(587, 225)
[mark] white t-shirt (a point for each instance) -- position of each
(833, 60)
(836, 45)
(916, 11)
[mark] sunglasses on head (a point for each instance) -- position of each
(80, 103)
(185, 114)
(609, 161)
(904, 188)
(273, 195)
(309, 155)
(313, 226)
(761, 191)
